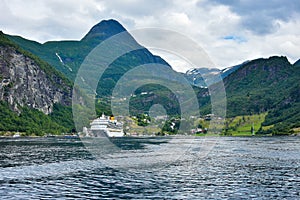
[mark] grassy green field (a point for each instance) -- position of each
(242, 125)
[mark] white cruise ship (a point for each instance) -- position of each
(105, 126)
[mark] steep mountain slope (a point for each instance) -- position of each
(31, 87)
(266, 85)
(67, 56)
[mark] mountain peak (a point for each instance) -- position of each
(104, 30)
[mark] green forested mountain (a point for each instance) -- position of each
(29, 90)
(266, 85)
(256, 87)
(67, 56)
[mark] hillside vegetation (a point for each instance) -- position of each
(15, 117)
(266, 85)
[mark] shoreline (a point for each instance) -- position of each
(146, 136)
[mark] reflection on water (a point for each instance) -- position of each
(149, 168)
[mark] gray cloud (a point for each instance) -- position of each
(230, 31)
(260, 16)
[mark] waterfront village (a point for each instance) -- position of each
(144, 125)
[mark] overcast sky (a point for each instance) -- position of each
(230, 31)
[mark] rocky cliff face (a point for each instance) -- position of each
(24, 83)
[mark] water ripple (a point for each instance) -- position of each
(236, 168)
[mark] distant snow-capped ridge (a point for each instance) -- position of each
(204, 77)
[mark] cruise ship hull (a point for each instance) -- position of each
(104, 127)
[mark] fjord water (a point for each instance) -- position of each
(233, 168)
